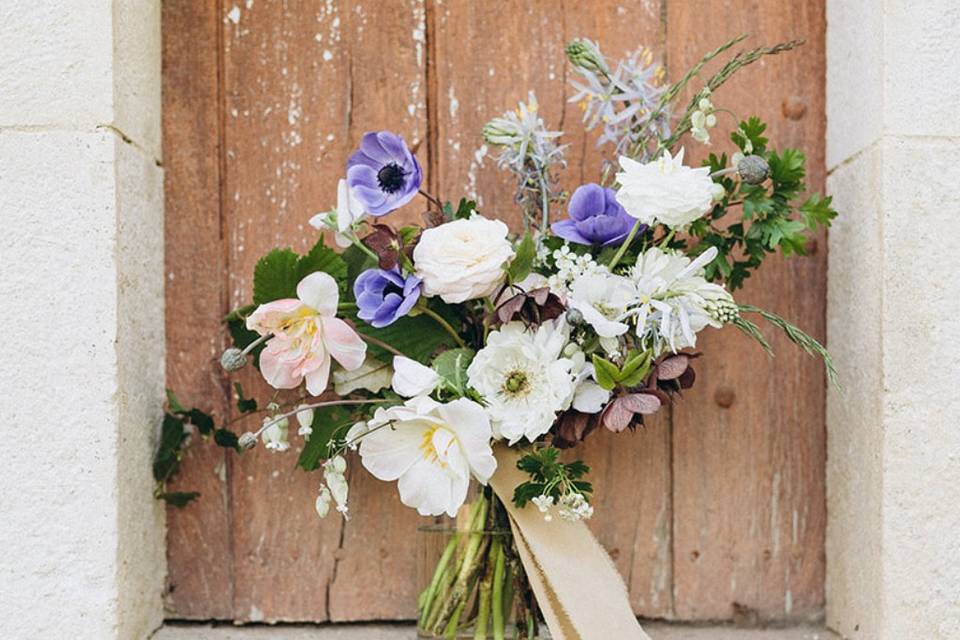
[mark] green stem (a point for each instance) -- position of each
(443, 323)
(499, 564)
(438, 574)
(666, 240)
(626, 244)
(367, 250)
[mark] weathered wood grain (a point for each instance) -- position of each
(749, 508)
(200, 578)
(303, 81)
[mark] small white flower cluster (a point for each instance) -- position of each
(335, 487)
(703, 119)
(275, 432)
(569, 267)
(572, 506)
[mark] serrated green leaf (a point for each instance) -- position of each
(202, 421)
(522, 263)
(226, 439)
(275, 276)
(322, 258)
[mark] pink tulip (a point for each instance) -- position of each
(306, 334)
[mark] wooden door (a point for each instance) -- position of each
(715, 511)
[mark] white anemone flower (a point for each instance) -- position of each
(675, 299)
(602, 298)
(524, 378)
(665, 191)
(432, 449)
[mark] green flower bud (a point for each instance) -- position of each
(753, 169)
(586, 54)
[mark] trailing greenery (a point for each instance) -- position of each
(795, 334)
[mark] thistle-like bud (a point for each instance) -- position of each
(248, 440)
(233, 359)
(753, 169)
(586, 55)
(574, 317)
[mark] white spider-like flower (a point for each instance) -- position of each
(675, 301)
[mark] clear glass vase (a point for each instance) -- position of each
(471, 582)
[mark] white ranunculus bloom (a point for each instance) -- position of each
(664, 190)
(602, 298)
(675, 299)
(432, 449)
(524, 378)
(464, 259)
(410, 378)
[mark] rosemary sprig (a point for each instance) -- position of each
(794, 333)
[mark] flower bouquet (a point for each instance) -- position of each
(462, 353)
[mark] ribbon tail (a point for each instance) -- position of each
(578, 588)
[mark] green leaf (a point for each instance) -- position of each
(244, 404)
(178, 499)
(607, 373)
(451, 366)
(327, 421)
(322, 258)
(635, 369)
(202, 421)
(817, 211)
(527, 491)
(174, 403)
(226, 439)
(417, 337)
(465, 209)
(522, 262)
(275, 276)
(357, 262)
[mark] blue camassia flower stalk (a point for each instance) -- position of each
(596, 218)
(624, 101)
(530, 151)
(382, 174)
(384, 295)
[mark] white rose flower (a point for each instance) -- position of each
(410, 378)
(664, 190)
(462, 260)
(432, 449)
(524, 378)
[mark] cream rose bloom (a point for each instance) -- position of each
(665, 191)
(464, 259)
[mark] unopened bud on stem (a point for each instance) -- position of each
(248, 440)
(753, 169)
(233, 359)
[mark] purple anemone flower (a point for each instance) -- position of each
(595, 217)
(382, 173)
(385, 295)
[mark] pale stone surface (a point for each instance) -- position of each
(921, 76)
(854, 416)
(854, 78)
(657, 631)
(57, 63)
(82, 263)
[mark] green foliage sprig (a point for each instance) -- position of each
(551, 477)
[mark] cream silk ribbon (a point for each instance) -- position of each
(578, 588)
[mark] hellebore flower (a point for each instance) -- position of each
(382, 173)
(306, 334)
(595, 217)
(383, 296)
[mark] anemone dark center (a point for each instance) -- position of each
(390, 177)
(392, 288)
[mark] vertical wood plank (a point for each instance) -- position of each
(200, 579)
(303, 81)
(485, 63)
(749, 507)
